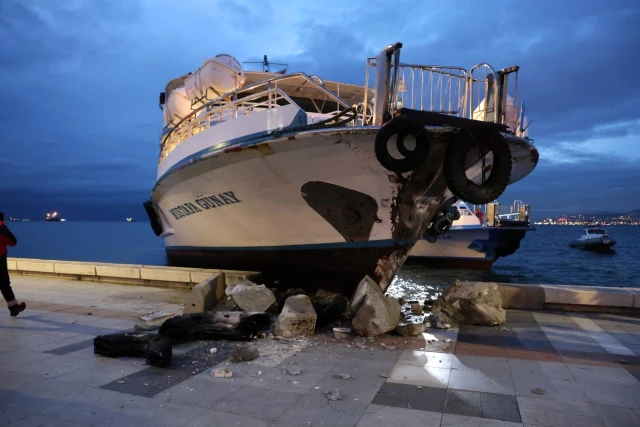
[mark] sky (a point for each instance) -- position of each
(80, 82)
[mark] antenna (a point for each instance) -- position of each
(266, 65)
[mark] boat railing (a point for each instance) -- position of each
(480, 93)
(212, 115)
(211, 109)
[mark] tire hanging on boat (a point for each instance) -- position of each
(402, 126)
(455, 173)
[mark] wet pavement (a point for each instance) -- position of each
(541, 369)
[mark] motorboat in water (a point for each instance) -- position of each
(319, 183)
(594, 239)
(476, 241)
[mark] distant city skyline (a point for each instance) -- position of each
(80, 118)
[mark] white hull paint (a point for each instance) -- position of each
(267, 181)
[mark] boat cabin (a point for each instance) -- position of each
(593, 233)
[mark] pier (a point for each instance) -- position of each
(567, 356)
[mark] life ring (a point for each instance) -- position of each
(455, 173)
(402, 126)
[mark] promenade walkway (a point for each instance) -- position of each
(543, 369)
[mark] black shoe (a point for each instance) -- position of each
(16, 309)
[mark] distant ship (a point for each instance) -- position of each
(52, 217)
(131, 219)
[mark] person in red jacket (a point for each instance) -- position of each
(7, 239)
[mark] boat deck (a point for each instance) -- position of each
(544, 368)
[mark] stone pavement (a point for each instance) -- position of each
(542, 369)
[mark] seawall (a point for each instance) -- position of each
(597, 299)
(127, 274)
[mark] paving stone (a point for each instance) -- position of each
(277, 379)
(451, 420)
(463, 403)
(618, 417)
(601, 374)
(384, 416)
(199, 391)
(24, 418)
(159, 415)
(426, 358)
(257, 402)
(627, 396)
(315, 409)
(420, 376)
(224, 419)
(409, 396)
(500, 407)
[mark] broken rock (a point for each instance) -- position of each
(298, 318)
(152, 320)
(251, 297)
(244, 354)
(222, 373)
(411, 329)
(373, 312)
(470, 303)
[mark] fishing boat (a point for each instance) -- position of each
(594, 239)
(319, 183)
(475, 241)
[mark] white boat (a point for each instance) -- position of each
(305, 180)
(594, 239)
(474, 242)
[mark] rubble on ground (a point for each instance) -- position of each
(298, 317)
(151, 321)
(251, 297)
(469, 303)
(244, 354)
(411, 329)
(222, 373)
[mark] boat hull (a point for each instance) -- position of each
(311, 208)
(474, 249)
(603, 244)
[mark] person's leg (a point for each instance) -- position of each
(5, 288)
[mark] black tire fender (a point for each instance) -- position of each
(455, 171)
(402, 126)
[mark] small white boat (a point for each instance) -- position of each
(594, 239)
(315, 182)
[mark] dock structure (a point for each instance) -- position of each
(578, 366)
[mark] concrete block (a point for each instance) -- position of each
(205, 294)
(165, 274)
(121, 271)
(522, 296)
(12, 264)
(587, 295)
(200, 275)
(40, 266)
(636, 298)
(75, 268)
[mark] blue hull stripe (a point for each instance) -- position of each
(317, 246)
